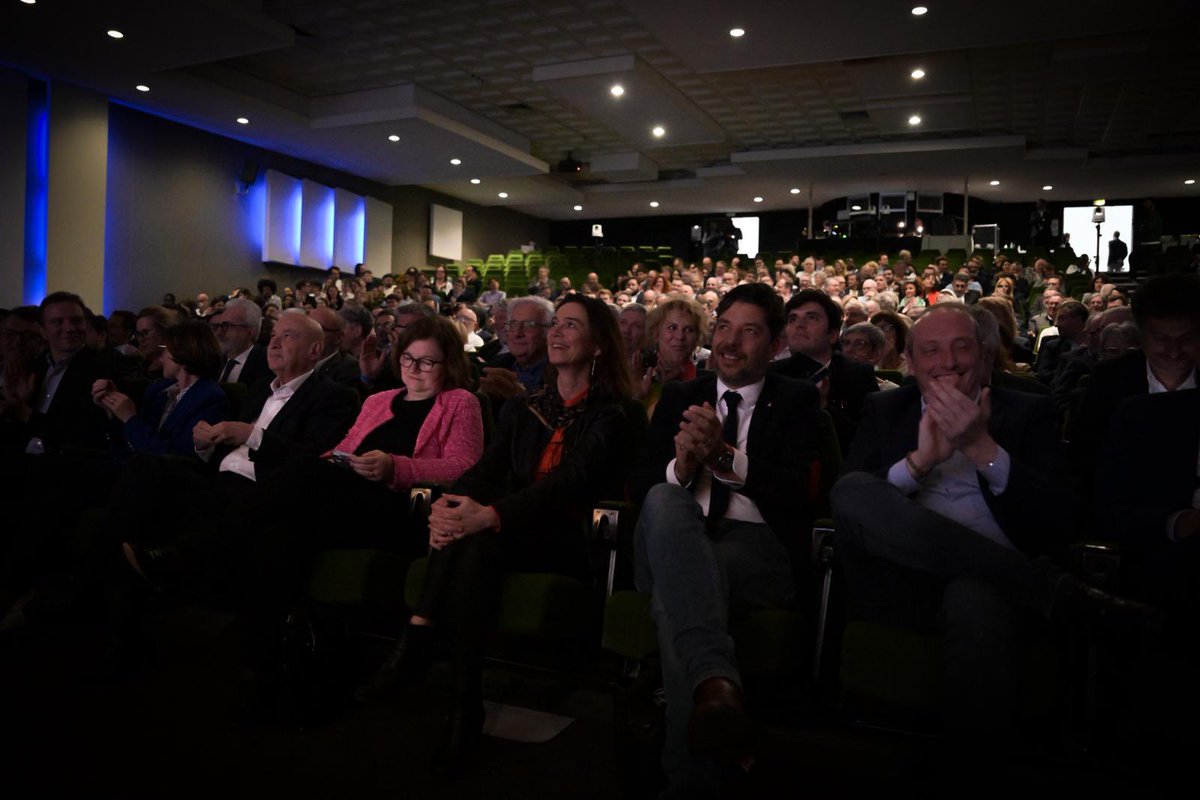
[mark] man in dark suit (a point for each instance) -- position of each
(951, 502)
(718, 480)
(1072, 335)
(334, 364)
(1167, 312)
(296, 414)
(237, 329)
(51, 408)
(814, 324)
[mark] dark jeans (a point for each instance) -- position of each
(696, 579)
(909, 567)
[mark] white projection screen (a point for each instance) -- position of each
(1077, 221)
(445, 232)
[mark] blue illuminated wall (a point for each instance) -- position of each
(37, 176)
(309, 224)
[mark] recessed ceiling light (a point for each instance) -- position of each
(914, 120)
(856, 208)
(919, 11)
(579, 208)
(654, 204)
(475, 181)
(659, 131)
(29, 2)
(617, 90)
(1047, 188)
(795, 191)
(141, 87)
(243, 121)
(116, 34)
(900, 224)
(993, 183)
(1189, 181)
(758, 199)
(737, 33)
(1099, 202)
(456, 161)
(393, 138)
(502, 195)
(918, 73)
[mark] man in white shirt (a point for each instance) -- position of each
(297, 414)
(718, 526)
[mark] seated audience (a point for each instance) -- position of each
(934, 527)
(814, 322)
(148, 333)
(520, 370)
(237, 328)
(523, 506)
(720, 520)
(895, 333)
(336, 365)
(1167, 312)
(676, 328)
(1070, 321)
(187, 395)
(865, 344)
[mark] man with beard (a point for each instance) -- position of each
(717, 480)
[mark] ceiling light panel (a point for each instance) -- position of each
(649, 100)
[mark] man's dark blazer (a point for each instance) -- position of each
(72, 420)
(1147, 469)
(342, 368)
(849, 384)
(1031, 511)
(204, 401)
(1050, 356)
(313, 420)
(781, 447)
(1111, 382)
(255, 368)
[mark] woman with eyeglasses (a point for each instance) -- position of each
(190, 357)
(525, 505)
(152, 322)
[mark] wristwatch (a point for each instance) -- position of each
(724, 462)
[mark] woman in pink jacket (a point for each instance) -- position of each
(431, 431)
(356, 494)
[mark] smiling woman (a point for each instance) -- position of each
(522, 506)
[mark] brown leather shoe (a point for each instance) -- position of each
(720, 727)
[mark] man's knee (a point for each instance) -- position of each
(848, 498)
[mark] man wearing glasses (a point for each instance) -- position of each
(519, 371)
(237, 329)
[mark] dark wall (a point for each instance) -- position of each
(177, 222)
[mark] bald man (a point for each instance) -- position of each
(334, 364)
(295, 414)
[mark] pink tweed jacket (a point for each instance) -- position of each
(449, 443)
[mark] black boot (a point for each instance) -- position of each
(405, 665)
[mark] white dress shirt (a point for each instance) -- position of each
(741, 508)
(239, 460)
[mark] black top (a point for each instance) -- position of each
(398, 435)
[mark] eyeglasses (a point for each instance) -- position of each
(424, 364)
(145, 334)
(221, 327)
(530, 325)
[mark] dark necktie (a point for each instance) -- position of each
(718, 496)
(229, 365)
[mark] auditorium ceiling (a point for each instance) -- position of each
(1093, 97)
